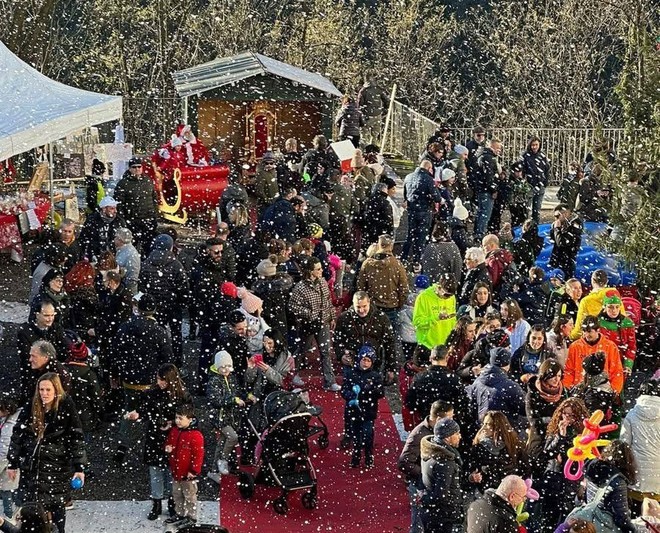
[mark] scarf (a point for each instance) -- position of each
(550, 395)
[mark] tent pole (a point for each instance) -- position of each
(390, 111)
(51, 178)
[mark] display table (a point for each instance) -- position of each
(10, 234)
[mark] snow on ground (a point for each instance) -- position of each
(14, 312)
(125, 516)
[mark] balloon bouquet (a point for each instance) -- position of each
(585, 446)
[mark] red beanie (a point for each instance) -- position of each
(229, 289)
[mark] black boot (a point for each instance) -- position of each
(170, 507)
(156, 510)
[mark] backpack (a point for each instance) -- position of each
(510, 278)
(595, 513)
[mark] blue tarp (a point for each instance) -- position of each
(589, 257)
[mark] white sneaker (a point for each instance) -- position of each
(333, 388)
(297, 381)
(214, 476)
(223, 467)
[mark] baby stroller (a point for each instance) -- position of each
(283, 450)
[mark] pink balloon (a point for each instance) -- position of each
(567, 470)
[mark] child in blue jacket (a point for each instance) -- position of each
(362, 388)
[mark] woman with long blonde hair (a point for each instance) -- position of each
(48, 447)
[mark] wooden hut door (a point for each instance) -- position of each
(261, 125)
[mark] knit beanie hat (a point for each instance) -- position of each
(267, 267)
(75, 345)
(229, 289)
(249, 301)
(498, 338)
(448, 174)
(366, 351)
(268, 157)
(222, 358)
(557, 273)
(422, 281)
(445, 427)
(460, 211)
(460, 149)
(500, 357)
(612, 297)
(147, 304)
(315, 230)
(52, 274)
(163, 242)
(176, 141)
(594, 364)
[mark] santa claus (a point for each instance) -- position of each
(197, 154)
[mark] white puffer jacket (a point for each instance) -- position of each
(641, 430)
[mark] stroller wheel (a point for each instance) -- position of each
(323, 442)
(309, 500)
(246, 485)
(280, 505)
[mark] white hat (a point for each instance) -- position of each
(448, 174)
(460, 149)
(222, 359)
(108, 201)
(460, 212)
(176, 141)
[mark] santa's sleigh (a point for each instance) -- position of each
(189, 190)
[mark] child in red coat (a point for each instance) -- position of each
(185, 446)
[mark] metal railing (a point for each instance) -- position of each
(408, 132)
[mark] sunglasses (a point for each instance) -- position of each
(136, 166)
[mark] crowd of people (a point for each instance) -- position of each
(498, 361)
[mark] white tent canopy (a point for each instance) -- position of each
(36, 110)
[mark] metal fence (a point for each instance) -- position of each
(408, 132)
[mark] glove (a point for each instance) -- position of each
(356, 389)
(353, 403)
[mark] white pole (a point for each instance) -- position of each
(390, 110)
(51, 168)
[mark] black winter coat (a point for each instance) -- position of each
(539, 413)
(237, 347)
(140, 346)
(221, 394)
(536, 168)
(478, 356)
(493, 390)
(442, 469)
(162, 275)
(459, 234)
(137, 198)
(371, 390)
(115, 308)
(598, 473)
(526, 249)
(86, 394)
(378, 218)
(352, 332)
(494, 463)
(491, 514)
(435, 383)
(48, 464)
(208, 305)
(158, 410)
(479, 273)
(97, 235)
(275, 293)
(484, 179)
(567, 240)
(280, 220)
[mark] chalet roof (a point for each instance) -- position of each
(227, 70)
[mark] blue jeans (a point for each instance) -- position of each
(7, 502)
(161, 482)
(485, 203)
(537, 202)
(415, 521)
(419, 227)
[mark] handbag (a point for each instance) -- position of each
(595, 513)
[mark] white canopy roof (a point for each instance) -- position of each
(36, 110)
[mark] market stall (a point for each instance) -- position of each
(20, 214)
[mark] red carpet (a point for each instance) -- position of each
(372, 501)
